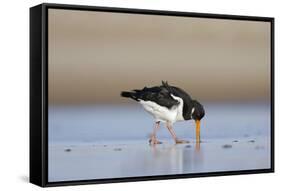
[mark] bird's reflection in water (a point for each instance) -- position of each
(197, 146)
(173, 159)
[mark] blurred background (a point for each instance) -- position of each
(93, 56)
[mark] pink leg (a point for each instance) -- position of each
(169, 126)
(153, 139)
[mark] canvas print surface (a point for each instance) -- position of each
(133, 95)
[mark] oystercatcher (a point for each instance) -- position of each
(168, 104)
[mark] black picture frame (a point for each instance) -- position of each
(39, 92)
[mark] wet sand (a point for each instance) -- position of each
(138, 158)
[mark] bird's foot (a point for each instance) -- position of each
(154, 141)
(181, 141)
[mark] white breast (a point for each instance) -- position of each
(161, 113)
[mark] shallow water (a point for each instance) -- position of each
(111, 123)
(112, 141)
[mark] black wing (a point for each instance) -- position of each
(159, 95)
(187, 100)
(176, 92)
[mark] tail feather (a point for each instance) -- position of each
(126, 94)
(129, 95)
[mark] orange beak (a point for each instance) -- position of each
(197, 131)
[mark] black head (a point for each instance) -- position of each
(197, 112)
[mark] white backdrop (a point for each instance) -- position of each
(14, 88)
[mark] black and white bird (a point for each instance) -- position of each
(168, 104)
